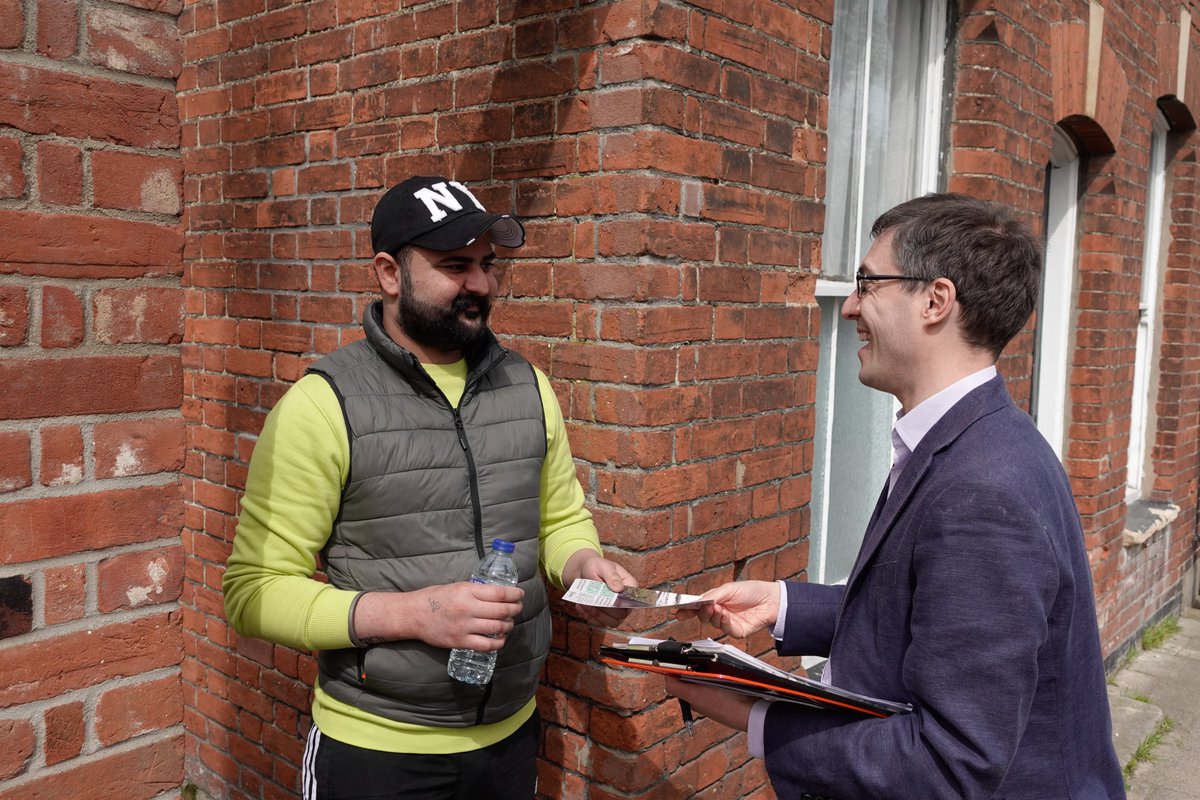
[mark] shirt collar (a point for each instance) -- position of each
(913, 426)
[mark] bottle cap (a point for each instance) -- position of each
(503, 546)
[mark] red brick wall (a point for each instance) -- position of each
(91, 434)
(1005, 107)
(652, 151)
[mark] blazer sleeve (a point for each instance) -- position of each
(810, 618)
(984, 578)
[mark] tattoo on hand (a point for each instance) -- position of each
(434, 605)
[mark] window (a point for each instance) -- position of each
(885, 122)
(1051, 359)
(1143, 365)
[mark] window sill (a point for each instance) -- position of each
(1144, 518)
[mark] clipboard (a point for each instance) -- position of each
(714, 664)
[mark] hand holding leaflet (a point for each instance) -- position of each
(596, 593)
(708, 662)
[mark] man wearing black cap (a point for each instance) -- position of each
(396, 458)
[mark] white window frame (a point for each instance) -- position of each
(843, 247)
(1056, 309)
(1140, 428)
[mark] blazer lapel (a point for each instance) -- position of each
(879, 504)
(980, 401)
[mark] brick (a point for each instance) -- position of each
(138, 315)
(138, 447)
(16, 471)
(658, 325)
(146, 577)
(139, 773)
(623, 448)
(730, 285)
(631, 405)
(49, 667)
(12, 34)
(132, 710)
(125, 40)
(758, 322)
(322, 114)
(474, 49)
(62, 317)
(323, 178)
(60, 173)
(280, 87)
(91, 246)
(423, 98)
(12, 172)
(65, 731)
(534, 79)
(136, 182)
(204, 103)
(287, 338)
(104, 384)
(629, 238)
(14, 315)
(616, 363)
(63, 526)
(327, 310)
(760, 537)
(369, 69)
(534, 318)
(75, 105)
(656, 489)
(65, 593)
(614, 769)
(487, 125)
(18, 737)
(62, 455)
(696, 71)
(279, 24)
(57, 28)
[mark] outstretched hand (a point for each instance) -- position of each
(586, 564)
(739, 609)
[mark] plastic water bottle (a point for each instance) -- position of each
(472, 666)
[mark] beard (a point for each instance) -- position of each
(456, 327)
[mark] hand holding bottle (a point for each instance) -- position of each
(475, 664)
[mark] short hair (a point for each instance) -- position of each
(984, 249)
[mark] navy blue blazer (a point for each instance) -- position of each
(971, 599)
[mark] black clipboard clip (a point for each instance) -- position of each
(674, 648)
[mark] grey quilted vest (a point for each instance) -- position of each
(429, 488)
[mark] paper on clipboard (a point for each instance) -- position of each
(597, 593)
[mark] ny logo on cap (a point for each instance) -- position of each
(437, 198)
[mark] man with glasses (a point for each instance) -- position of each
(971, 596)
(397, 459)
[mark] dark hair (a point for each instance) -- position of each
(984, 249)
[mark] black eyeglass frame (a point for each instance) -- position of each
(860, 280)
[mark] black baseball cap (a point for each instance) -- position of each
(437, 214)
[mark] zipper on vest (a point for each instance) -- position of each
(473, 380)
(487, 695)
(476, 509)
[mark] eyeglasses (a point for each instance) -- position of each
(860, 280)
